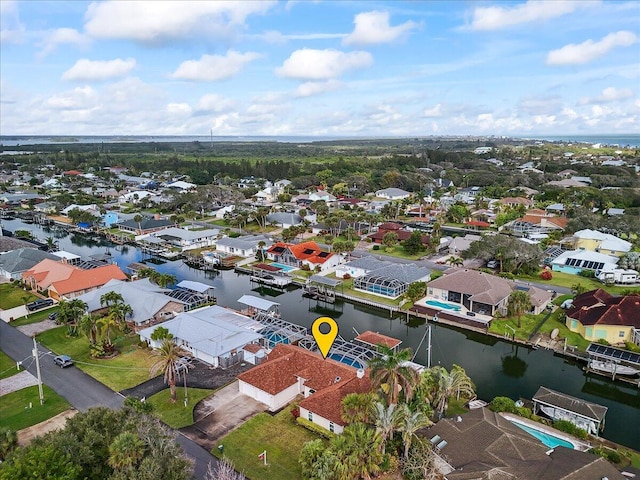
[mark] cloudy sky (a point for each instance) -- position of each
(328, 68)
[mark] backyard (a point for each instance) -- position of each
(129, 368)
(13, 296)
(279, 435)
(568, 280)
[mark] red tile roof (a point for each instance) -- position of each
(308, 251)
(600, 308)
(375, 338)
(85, 279)
(286, 363)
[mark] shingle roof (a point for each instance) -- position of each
(246, 242)
(23, 259)
(572, 404)
(11, 243)
(600, 308)
(482, 287)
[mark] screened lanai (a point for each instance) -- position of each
(277, 330)
(382, 285)
(343, 351)
(191, 300)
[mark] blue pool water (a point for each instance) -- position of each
(549, 440)
(445, 306)
(347, 361)
(284, 268)
(274, 338)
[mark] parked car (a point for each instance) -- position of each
(38, 304)
(492, 264)
(53, 316)
(63, 361)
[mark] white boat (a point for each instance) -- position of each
(557, 414)
(612, 367)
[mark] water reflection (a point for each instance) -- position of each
(514, 366)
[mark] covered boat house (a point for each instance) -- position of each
(560, 406)
(613, 361)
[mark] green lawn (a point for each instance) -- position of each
(279, 435)
(13, 296)
(7, 366)
(567, 280)
(529, 322)
(16, 414)
(398, 251)
(126, 370)
(176, 415)
(34, 317)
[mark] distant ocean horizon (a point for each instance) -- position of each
(620, 140)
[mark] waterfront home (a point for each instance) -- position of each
(305, 253)
(186, 239)
(61, 280)
(575, 261)
(484, 444)
(245, 246)
(149, 302)
(146, 226)
(8, 244)
(391, 227)
(111, 217)
(480, 292)
(600, 242)
(15, 262)
(215, 335)
(391, 280)
(599, 315)
(360, 266)
(289, 371)
(393, 193)
(92, 209)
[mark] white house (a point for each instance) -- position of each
(574, 261)
(187, 239)
(245, 246)
(393, 193)
(215, 335)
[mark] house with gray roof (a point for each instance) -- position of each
(146, 226)
(215, 335)
(360, 266)
(391, 280)
(245, 246)
(284, 219)
(149, 302)
(13, 263)
(187, 239)
(393, 193)
(465, 290)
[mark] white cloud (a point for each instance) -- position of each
(495, 18)
(310, 64)
(62, 36)
(585, 52)
(373, 27)
(76, 99)
(433, 112)
(215, 103)
(95, 70)
(539, 105)
(308, 89)
(180, 109)
(11, 28)
(160, 22)
(214, 67)
(609, 94)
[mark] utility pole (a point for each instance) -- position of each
(37, 359)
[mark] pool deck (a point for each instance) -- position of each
(462, 313)
(578, 444)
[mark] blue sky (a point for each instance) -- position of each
(341, 68)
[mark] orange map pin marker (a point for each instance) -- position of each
(324, 340)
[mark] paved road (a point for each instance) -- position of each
(81, 390)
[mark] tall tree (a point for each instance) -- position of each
(441, 385)
(70, 313)
(110, 298)
(518, 303)
(390, 373)
(386, 420)
(410, 423)
(358, 407)
(125, 451)
(167, 356)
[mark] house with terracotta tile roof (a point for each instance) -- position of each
(290, 371)
(599, 315)
(305, 253)
(62, 280)
(391, 227)
(516, 201)
(482, 293)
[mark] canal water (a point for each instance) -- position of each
(497, 367)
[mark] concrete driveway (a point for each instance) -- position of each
(221, 413)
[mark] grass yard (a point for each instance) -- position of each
(567, 280)
(7, 366)
(126, 370)
(176, 415)
(529, 322)
(398, 251)
(279, 435)
(34, 317)
(13, 296)
(16, 414)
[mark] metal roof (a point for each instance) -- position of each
(570, 404)
(612, 353)
(331, 282)
(257, 302)
(195, 286)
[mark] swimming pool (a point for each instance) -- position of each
(548, 439)
(346, 360)
(444, 306)
(275, 338)
(284, 268)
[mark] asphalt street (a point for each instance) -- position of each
(81, 390)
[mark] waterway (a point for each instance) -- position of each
(497, 367)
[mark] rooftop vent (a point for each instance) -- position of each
(360, 373)
(337, 380)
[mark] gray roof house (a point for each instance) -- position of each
(147, 300)
(284, 219)
(393, 193)
(188, 239)
(13, 263)
(215, 335)
(245, 246)
(360, 266)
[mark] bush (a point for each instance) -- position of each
(507, 275)
(587, 273)
(376, 247)
(503, 404)
(607, 453)
(632, 347)
(546, 275)
(524, 412)
(436, 274)
(346, 276)
(567, 427)
(312, 427)
(602, 341)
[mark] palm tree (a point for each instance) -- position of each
(119, 311)
(442, 385)
(125, 451)
(518, 303)
(110, 298)
(358, 452)
(164, 279)
(51, 244)
(455, 261)
(138, 219)
(105, 324)
(357, 407)
(410, 423)
(390, 373)
(386, 420)
(167, 362)
(89, 327)
(70, 313)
